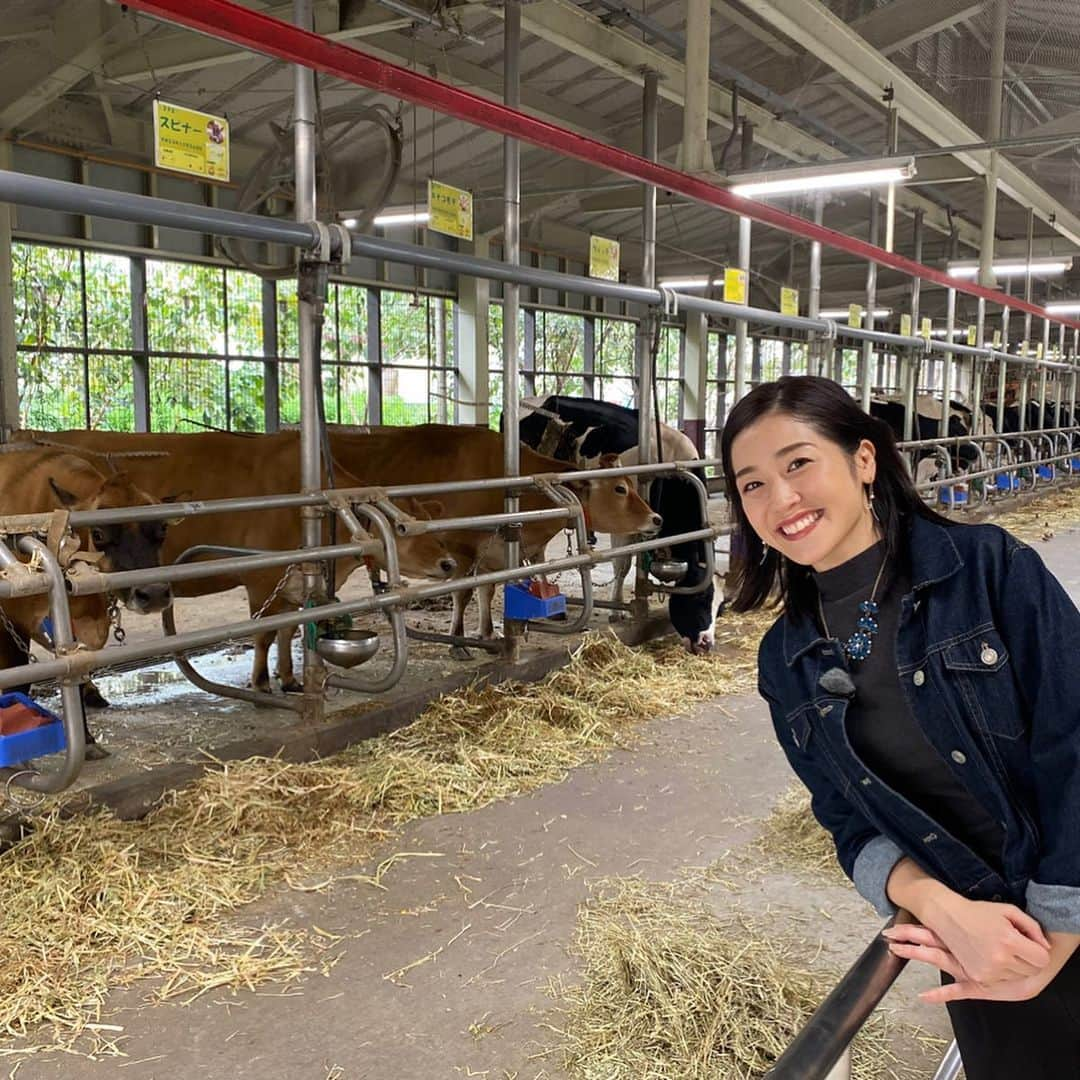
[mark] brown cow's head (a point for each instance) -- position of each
(614, 505)
(127, 546)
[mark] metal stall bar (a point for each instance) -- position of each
(263, 33)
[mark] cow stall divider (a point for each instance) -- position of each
(70, 664)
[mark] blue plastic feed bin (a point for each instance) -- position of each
(950, 496)
(49, 738)
(519, 603)
(1006, 482)
(1046, 472)
(1075, 464)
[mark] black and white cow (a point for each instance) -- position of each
(581, 430)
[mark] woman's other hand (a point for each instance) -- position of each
(991, 942)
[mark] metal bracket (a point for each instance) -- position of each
(340, 245)
(510, 532)
(670, 299)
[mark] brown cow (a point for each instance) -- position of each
(433, 452)
(220, 465)
(36, 481)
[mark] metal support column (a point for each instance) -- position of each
(947, 362)
(310, 451)
(512, 629)
(471, 404)
(695, 154)
(866, 366)
(816, 351)
(911, 363)
(1027, 275)
(374, 356)
(588, 357)
(695, 364)
(140, 361)
(442, 381)
(648, 325)
(9, 356)
(741, 325)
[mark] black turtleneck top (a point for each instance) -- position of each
(882, 731)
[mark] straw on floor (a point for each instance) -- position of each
(92, 903)
(672, 991)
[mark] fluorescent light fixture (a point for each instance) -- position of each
(350, 223)
(1039, 268)
(842, 313)
(687, 283)
(403, 217)
(959, 332)
(1066, 307)
(833, 177)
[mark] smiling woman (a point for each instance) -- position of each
(940, 740)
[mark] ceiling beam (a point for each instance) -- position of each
(851, 56)
(563, 23)
(175, 52)
(75, 45)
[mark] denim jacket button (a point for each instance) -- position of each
(918, 678)
(959, 757)
(988, 655)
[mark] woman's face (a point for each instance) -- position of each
(802, 493)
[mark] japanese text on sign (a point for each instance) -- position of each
(972, 334)
(905, 325)
(191, 142)
(854, 315)
(789, 301)
(450, 210)
(925, 329)
(735, 285)
(603, 258)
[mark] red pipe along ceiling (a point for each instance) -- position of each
(261, 33)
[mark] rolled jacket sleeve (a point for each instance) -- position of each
(1040, 625)
(864, 854)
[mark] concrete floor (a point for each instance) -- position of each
(500, 901)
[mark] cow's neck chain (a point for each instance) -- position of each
(861, 643)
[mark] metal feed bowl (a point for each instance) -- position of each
(347, 648)
(669, 570)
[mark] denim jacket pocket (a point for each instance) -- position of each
(799, 722)
(979, 666)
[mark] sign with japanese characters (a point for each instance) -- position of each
(450, 210)
(603, 258)
(972, 334)
(905, 325)
(926, 328)
(789, 301)
(735, 281)
(854, 315)
(191, 142)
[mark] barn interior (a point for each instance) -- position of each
(250, 252)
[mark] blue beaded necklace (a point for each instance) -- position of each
(861, 642)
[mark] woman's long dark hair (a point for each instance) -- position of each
(831, 411)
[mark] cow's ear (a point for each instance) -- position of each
(66, 497)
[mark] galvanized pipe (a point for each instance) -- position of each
(866, 371)
(814, 361)
(71, 699)
(511, 256)
(742, 324)
(947, 363)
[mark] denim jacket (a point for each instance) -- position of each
(985, 652)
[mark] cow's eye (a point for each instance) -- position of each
(98, 536)
(621, 489)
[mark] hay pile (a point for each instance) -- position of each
(791, 839)
(94, 903)
(1042, 517)
(671, 991)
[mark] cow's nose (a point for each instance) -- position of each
(151, 598)
(447, 565)
(657, 520)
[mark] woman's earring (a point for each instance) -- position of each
(870, 502)
(764, 554)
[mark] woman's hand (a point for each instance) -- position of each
(989, 942)
(923, 945)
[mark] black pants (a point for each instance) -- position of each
(1022, 1040)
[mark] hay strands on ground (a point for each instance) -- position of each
(92, 903)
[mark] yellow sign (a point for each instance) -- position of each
(972, 334)
(603, 258)
(450, 210)
(789, 301)
(905, 326)
(926, 328)
(735, 281)
(1024, 347)
(1039, 351)
(997, 339)
(854, 315)
(191, 142)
